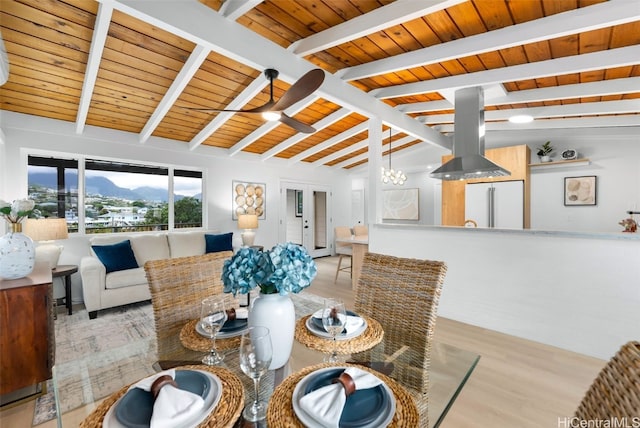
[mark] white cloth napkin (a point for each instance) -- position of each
(173, 406)
(353, 322)
(325, 404)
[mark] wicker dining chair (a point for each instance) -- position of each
(177, 287)
(402, 295)
(615, 392)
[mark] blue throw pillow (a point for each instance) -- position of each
(216, 243)
(116, 256)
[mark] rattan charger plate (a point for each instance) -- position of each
(191, 339)
(369, 338)
(224, 415)
(280, 411)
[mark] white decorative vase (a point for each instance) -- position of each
(545, 158)
(278, 314)
(17, 254)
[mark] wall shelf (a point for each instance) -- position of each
(560, 164)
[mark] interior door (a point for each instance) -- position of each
(304, 217)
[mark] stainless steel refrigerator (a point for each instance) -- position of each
(499, 205)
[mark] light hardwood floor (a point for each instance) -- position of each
(517, 383)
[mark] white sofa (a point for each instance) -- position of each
(106, 290)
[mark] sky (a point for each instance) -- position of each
(182, 185)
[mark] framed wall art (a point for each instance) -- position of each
(249, 198)
(400, 204)
(580, 190)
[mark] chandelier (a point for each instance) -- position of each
(389, 175)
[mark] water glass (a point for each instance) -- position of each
(255, 358)
(334, 319)
(212, 317)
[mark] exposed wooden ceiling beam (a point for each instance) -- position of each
(572, 64)
(578, 122)
(191, 67)
(294, 139)
(202, 25)
(578, 109)
(234, 9)
(354, 130)
(558, 25)
(573, 91)
(379, 19)
(268, 126)
(253, 89)
(100, 31)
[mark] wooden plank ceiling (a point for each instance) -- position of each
(140, 68)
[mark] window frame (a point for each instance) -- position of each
(127, 166)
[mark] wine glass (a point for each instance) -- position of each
(255, 358)
(212, 317)
(334, 319)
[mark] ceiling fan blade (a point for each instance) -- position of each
(268, 106)
(301, 89)
(296, 124)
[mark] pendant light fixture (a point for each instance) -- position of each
(389, 175)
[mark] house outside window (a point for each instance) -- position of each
(118, 196)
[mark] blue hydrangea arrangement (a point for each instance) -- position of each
(286, 268)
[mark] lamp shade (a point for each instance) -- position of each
(46, 229)
(247, 221)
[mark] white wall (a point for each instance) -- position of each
(580, 293)
(615, 160)
(26, 135)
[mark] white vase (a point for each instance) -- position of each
(278, 314)
(17, 254)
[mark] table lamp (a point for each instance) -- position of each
(45, 231)
(248, 222)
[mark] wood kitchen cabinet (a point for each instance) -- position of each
(27, 337)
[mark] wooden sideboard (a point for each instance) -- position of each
(27, 336)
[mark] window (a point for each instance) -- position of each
(187, 198)
(53, 185)
(118, 196)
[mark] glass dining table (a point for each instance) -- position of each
(449, 370)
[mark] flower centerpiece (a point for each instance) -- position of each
(17, 252)
(16, 212)
(286, 268)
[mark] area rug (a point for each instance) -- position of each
(94, 356)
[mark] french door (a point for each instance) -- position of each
(304, 217)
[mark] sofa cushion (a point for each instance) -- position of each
(117, 256)
(216, 243)
(186, 244)
(150, 247)
(125, 278)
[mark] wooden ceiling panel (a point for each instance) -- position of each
(49, 41)
(347, 157)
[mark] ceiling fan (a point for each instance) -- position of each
(274, 110)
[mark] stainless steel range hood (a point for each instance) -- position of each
(468, 141)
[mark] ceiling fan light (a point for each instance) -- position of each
(271, 115)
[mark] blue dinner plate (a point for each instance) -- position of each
(234, 325)
(317, 322)
(362, 407)
(136, 406)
